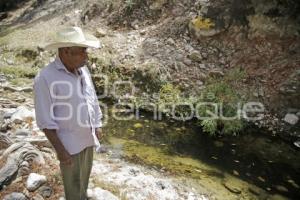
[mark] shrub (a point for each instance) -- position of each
(19, 72)
(225, 95)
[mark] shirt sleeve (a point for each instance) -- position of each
(43, 104)
(98, 113)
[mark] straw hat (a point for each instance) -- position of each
(73, 36)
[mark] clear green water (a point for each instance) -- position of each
(260, 167)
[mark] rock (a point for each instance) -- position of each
(5, 141)
(187, 61)
(170, 41)
(195, 57)
(291, 118)
(161, 185)
(277, 197)
(34, 181)
(157, 5)
(215, 73)
(202, 66)
(24, 169)
(37, 197)
(255, 94)
(23, 132)
(100, 32)
(235, 172)
(142, 32)
(231, 187)
(89, 193)
(16, 89)
(9, 61)
(41, 141)
(15, 196)
(202, 27)
(297, 143)
(3, 78)
(26, 89)
(100, 194)
(293, 183)
(281, 188)
(45, 191)
(218, 143)
(22, 114)
(9, 112)
(261, 179)
(138, 125)
(254, 190)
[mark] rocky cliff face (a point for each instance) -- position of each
(184, 43)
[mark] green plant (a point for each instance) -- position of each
(209, 126)
(221, 96)
(129, 4)
(19, 72)
(169, 94)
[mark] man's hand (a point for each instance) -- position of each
(99, 133)
(62, 154)
(65, 158)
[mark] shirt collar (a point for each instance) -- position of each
(59, 65)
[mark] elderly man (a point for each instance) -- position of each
(67, 109)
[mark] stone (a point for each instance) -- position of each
(37, 197)
(45, 191)
(236, 173)
(202, 27)
(170, 41)
(100, 194)
(218, 144)
(15, 196)
(138, 125)
(26, 89)
(100, 32)
(254, 190)
(187, 61)
(195, 57)
(157, 5)
(232, 188)
(202, 66)
(297, 143)
(5, 141)
(10, 61)
(34, 181)
(281, 188)
(293, 183)
(292, 119)
(9, 112)
(3, 78)
(277, 197)
(215, 73)
(142, 32)
(23, 132)
(89, 193)
(22, 114)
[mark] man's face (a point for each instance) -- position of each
(78, 56)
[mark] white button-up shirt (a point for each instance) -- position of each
(68, 103)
